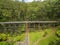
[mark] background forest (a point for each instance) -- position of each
(36, 10)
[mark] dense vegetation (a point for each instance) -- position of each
(52, 39)
(15, 10)
(36, 10)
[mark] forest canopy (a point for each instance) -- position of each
(33, 11)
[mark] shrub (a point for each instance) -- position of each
(58, 33)
(7, 43)
(3, 37)
(45, 34)
(17, 38)
(4, 43)
(57, 42)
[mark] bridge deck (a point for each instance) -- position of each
(28, 22)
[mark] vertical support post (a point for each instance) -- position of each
(34, 27)
(39, 26)
(4, 28)
(19, 26)
(42, 26)
(49, 25)
(11, 28)
(54, 27)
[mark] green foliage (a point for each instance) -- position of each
(47, 40)
(57, 42)
(58, 27)
(22, 27)
(3, 37)
(4, 43)
(19, 37)
(34, 36)
(7, 39)
(58, 33)
(19, 11)
(7, 43)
